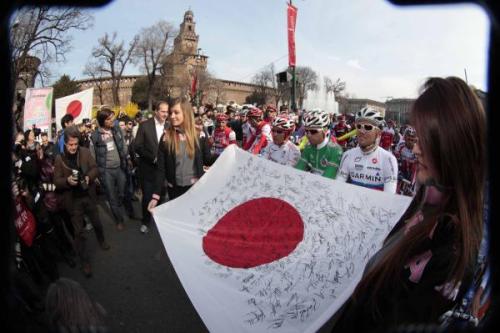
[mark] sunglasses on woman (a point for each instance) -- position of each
(312, 131)
(366, 127)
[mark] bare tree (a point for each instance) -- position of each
(95, 71)
(153, 44)
(307, 80)
(113, 56)
(265, 85)
(44, 33)
(336, 88)
(40, 36)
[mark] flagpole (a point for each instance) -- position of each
(293, 103)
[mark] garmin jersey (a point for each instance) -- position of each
(323, 161)
(286, 154)
(377, 170)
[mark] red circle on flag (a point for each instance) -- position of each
(74, 108)
(254, 233)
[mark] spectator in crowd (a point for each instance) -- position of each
(47, 145)
(84, 134)
(132, 183)
(429, 258)
(146, 147)
(69, 308)
(74, 175)
(66, 120)
(182, 154)
(368, 164)
(110, 155)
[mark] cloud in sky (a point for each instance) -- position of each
(354, 63)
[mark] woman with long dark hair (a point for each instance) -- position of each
(427, 262)
(181, 153)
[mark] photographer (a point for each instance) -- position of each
(74, 174)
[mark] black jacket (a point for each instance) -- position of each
(166, 163)
(146, 147)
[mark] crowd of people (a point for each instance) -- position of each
(427, 262)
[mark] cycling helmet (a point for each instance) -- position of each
(255, 113)
(370, 115)
(316, 119)
(283, 123)
(410, 131)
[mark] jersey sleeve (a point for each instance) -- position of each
(343, 174)
(333, 162)
(294, 155)
(302, 162)
(391, 174)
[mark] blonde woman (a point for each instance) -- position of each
(181, 153)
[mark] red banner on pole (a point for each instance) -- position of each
(291, 19)
(194, 84)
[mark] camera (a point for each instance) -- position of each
(80, 179)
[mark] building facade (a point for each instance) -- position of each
(353, 105)
(398, 109)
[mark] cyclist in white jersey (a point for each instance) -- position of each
(281, 150)
(368, 164)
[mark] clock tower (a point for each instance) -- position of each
(187, 40)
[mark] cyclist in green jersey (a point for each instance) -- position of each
(321, 156)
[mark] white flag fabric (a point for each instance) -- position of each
(79, 105)
(261, 247)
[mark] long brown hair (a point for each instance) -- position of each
(451, 129)
(68, 305)
(187, 128)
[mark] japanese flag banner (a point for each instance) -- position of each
(79, 105)
(261, 247)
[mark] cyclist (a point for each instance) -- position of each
(320, 156)
(368, 164)
(223, 135)
(261, 135)
(282, 150)
(407, 163)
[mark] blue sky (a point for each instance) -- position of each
(378, 49)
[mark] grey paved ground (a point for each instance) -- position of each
(135, 282)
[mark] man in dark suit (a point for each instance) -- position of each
(146, 147)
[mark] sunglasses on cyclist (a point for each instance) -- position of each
(312, 131)
(366, 127)
(277, 131)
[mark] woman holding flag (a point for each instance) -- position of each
(181, 153)
(433, 259)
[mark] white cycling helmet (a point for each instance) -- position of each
(283, 122)
(370, 115)
(316, 119)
